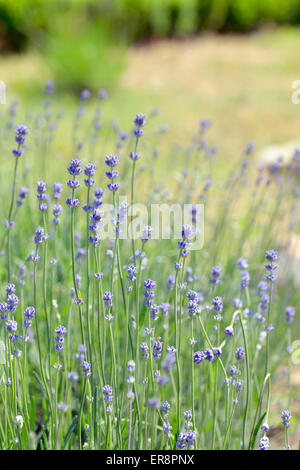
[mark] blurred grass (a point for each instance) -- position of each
(245, 78)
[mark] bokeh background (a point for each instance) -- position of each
(192, 58)
(230, 61)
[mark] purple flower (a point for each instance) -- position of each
(140, 120)
(181, 442)
(111, 161)
(21, 131)
(11, 326)
(245, 278)
(264, 301)
(171, 282)
(239, 354)
(157, 348)
(39, 235)
(12, 302)
(289, 314)
(10, 289)
(23, 192)
(86, 368)
(74, 168)
(113, 186)
(164, 308)
(229, 331)
(190, 438)
(102, 95)
(73, 184)
(85, 95)
(145, 350)
(98, 276)
(154, 311)
(29, 313)
(209, 355)
(215, 274)
(57, 189)
(108, 299)
(41, 190)
(154, 402)
(242, 263)
(217, 352)
(147, 230)
(72, 203)
(271, 255)
(199, 357)
(134, 156)
(169, 361)
(131, 273)
(217, 303)
(234, 371)
(49, 85)
(90, 169)
(167, 429)
(264, 443)
(60, 331)
(286, 418)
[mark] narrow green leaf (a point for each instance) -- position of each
(257, 427)
(70, 430)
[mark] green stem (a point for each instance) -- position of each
(245, 416)
(9, 218)
(73, 271)
(39, 349)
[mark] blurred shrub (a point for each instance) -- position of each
(141, 19)
(79, 46)
(84, 57)
(25, 21)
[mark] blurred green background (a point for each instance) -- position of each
(84, 41)
(227, 55)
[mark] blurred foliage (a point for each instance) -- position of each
(84, 56)
(84, 40)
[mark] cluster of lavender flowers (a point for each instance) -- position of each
(186, 440)
(60, 331)
(133, 388)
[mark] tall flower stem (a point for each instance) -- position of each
(245, 415)
(267, 365)
(137, 310)
(132, 199)
(80, 412)
(289, 335)
(39, 348)
(221, 364)
(178, 389)
(12, 200)
(88, 280)
(100, 342)
(73, 271)
(45, 302)
(114, 381)
(193, 375)
(215, 402)
(226, 442)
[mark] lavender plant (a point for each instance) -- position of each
(142, 342)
